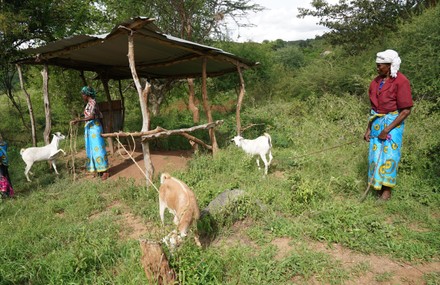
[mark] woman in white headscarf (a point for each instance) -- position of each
(391, 102)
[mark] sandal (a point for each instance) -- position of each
(104, 176)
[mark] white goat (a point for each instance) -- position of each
(47, 152)
(260, 146)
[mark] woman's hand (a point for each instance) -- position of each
(73, 122)
(367, 135)
(383, 135)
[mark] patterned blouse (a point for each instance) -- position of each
(89, 110)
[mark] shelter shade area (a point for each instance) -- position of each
(138, 49)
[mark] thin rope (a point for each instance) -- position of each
(73, 134)
(338, 146)
(135, 162)
(325, 149)
(132, 152)
(372, 175)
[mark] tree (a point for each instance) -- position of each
(195, 20)
(28, 23)
(356, 24)
(200, 21)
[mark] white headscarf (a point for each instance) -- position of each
(389, 56)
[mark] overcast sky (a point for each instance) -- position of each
(279, 21)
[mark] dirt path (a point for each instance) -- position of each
(122, 166)
(163, 161)
(380, 270)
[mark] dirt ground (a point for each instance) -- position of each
(381, 270)
(123, 166)
(163, 161)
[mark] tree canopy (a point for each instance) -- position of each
(356, 24)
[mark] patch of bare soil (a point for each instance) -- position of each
(398, 272)
(378, 269)
(393, 272)
(132, 226)
(123, 166)
(163, 161)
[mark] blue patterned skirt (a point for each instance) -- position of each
(384, 155)
(97, 159)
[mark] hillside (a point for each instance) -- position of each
(314, 229)
(303, 223)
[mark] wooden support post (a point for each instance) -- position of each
(208, 107)
(46, 100)
(192, 101)
(239, 101)
(104, 81)
(121, 94)
(143, 100)
(156, 264)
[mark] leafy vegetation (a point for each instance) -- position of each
(353, 22)
(313, 197)
(59, 231)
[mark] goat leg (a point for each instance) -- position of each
(266, 165)
(27, 171)
(54, 166)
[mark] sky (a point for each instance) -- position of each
(279, 21)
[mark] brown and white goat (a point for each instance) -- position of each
(181, 202)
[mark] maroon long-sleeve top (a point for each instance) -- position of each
(394, 95)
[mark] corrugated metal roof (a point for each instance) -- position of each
(157, 55)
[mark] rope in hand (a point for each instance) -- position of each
(374, 170)
(372, 175)
(73, 134)
(135, 162)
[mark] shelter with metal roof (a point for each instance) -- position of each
(135, 49)
(158, 55)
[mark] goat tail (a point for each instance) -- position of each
(269, 138)
(22, 150)
(164, 176)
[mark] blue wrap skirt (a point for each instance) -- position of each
(384, 155)
(97, 160)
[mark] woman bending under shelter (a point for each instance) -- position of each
(97, 160)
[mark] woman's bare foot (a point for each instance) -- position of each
(386, 194)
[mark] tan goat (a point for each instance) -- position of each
(181, 202)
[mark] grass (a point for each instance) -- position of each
(61, 232)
